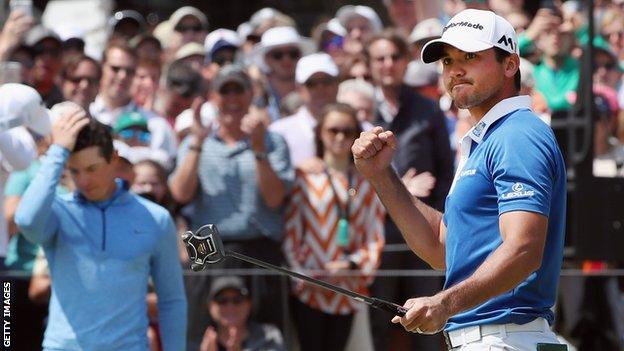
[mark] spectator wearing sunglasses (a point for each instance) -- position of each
(277, 55)
(423, 146)
(46, 46)
(221, 47)
(317, 81)
(229, 305)
(236, 174)
(80, 78)
(189, 25)
(119, 63)
(131, 128)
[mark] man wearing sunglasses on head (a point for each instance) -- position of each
(229, 305)
(119, 63)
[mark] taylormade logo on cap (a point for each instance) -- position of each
(463, 24)
(472, 31)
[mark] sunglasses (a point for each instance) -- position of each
(222, 60)
(234, 300)
(79, 79)
(254, 38)
(184, 29)
(232, 89)
(313, 83)
(347, 132)
(278, 55)
(394, 58)
(607, 65)
(140, 135)
(366, 77)
(116, 69)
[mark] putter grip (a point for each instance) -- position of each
(389, 306)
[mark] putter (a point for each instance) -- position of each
(205, 247)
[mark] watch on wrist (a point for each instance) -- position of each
(260, 155)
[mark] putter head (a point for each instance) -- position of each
(204, 246)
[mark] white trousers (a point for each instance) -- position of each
(518, 341)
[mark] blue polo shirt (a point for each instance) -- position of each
(514, 164)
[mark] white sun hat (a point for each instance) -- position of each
(277, 37)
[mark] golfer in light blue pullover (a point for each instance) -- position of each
(102, 244)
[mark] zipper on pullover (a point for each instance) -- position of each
(103, 211)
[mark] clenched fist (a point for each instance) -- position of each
(373, 151)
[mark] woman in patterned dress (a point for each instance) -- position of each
(334, 224)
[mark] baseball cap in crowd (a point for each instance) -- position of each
(334, 26)
(22, 105)
(231, 74)
(419, 74)
(276, 37)
(223, 283)
(472, 31)
(183, 79)
(130, 119)
(39, 33)
(219, 39)
(428, 29)
(348, 12)
(184, 11)
(127, 15)
(315, 63)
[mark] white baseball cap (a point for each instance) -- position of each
(428, 29)
(220, 38)
(22, 105)
(472, 31)
(315, 63)
(347, 12)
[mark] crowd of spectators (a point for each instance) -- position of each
(250, 129)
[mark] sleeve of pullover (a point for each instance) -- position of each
(35, 216)
(167, 274)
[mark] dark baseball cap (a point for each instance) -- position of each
(231, 74)
(230, 282)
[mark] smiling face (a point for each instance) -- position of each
(230, 309)
(387, 64)
(338, 132)
(473, 79)
(117, 74)
(233, 101)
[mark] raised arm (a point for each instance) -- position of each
(34, 216)
(420, 225)
(184, 181)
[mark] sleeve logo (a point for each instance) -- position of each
(517, 192)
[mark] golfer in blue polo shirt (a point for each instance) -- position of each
(501, 238)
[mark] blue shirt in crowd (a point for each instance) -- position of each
(514, 165)
(101, 255)
(228, 194)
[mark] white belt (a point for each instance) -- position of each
(467, 335)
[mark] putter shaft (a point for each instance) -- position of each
(371, 301)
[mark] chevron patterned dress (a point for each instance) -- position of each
(312, 217)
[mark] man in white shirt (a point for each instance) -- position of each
(118, 67)
(317, 80)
